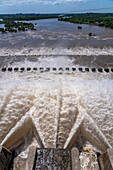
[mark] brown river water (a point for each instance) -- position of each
(58, 39)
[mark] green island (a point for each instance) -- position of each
(98, 19)
(11, 26)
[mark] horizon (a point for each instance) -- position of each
(56, 13)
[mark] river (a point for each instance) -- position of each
(57, 38)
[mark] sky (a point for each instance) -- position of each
(54, 6)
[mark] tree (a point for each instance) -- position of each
(90, 34)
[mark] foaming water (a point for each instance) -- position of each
(56, 109)
(44, 61)
(57, 51)
(58, 105)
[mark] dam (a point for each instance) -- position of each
(56, 108)
(56, 97)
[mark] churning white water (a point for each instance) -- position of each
(59, 106)
(57, 51)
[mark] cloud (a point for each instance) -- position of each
(44, 2)
(61, 2)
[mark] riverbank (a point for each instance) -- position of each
(26, 17)
(97, 19)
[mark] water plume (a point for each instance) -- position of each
(57, 112)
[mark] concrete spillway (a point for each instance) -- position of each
(67, 69)
(59, 108)
(56, 109)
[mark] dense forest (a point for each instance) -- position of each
(99, 19)
(27, 17)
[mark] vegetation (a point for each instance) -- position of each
(99, 19)
(79, 27)
(12, 26)
(90, 34)
(27, 17)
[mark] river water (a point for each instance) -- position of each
(57, 109)
(58, 38)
